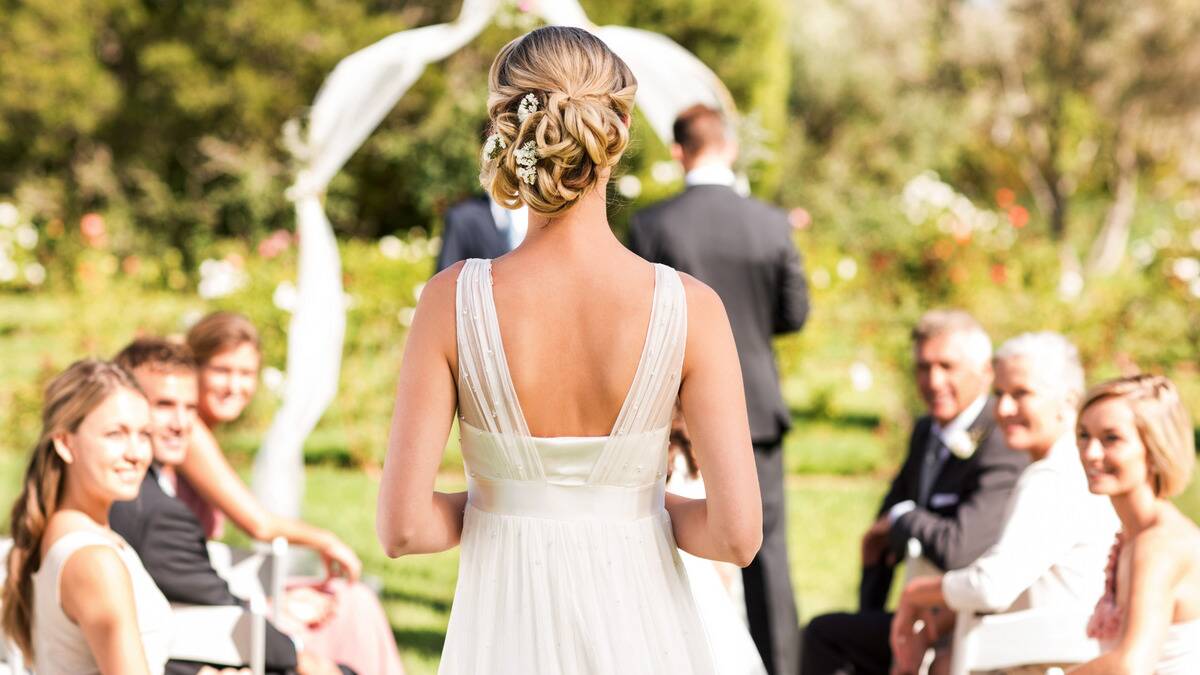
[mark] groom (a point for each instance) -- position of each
(743, 249)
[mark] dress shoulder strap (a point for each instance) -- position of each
(487, 399)
(651, 400)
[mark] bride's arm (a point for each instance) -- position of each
(410, 516)
(727, 525)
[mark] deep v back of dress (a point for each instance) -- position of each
(568, 562)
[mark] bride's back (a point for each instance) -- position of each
(573, 333)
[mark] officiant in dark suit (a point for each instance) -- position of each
(949, 496)
(478, 227)
(743, 249)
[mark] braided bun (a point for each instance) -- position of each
(583, 95)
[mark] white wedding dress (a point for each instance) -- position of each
(568, 561)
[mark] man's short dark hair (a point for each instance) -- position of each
(699, 127)
(158, 354)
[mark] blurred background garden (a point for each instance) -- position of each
(1036, 162)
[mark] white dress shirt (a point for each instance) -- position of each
(710, 173)
(513, 223)
(1053, 548)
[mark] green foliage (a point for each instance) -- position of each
(165, 118)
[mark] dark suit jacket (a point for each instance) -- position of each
(743, 249)
(973, 495)
(471, 232)
(171, 543)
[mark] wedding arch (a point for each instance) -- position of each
(351, 103)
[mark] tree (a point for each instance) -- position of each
(1090, 97)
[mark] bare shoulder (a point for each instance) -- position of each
(1169, 547)
(67, 521)
(94, 567)
(442, 287)
(98, 574)
(702, 300)
(435, 306)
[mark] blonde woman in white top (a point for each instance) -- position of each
(1056, 534)
(1136, 444)
(77, 599)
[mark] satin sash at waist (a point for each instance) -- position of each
(536, 499)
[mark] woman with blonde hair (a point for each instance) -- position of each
(1137, 446)
(77, 599)
(563, 361)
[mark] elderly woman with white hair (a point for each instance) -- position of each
(1056, 534)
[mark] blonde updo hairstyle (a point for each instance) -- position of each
(1163, 424)
(584, 98)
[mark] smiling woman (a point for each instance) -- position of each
(76, 593)
(1135, 442)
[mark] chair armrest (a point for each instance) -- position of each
(225, 635)
(986, 642)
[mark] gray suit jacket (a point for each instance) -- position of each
(743, 249)
(965, 513)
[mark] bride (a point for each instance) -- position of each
(563, 360)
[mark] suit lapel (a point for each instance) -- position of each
(950, 478)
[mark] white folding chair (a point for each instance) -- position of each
(989, 642)
(232, 635)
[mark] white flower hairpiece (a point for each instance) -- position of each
(528, 106)
(492, 146)
(527, 157)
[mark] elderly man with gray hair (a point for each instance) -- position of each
(1056, 534)
(949, 495)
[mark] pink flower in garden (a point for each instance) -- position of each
(275, 243)
(999, 273)
(91, 226)
(799, 218)
(1018, 216)
(1005, 198)
(130, 265)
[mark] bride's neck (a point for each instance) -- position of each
(578, 229)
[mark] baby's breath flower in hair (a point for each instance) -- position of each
(492, 147)
(528, 106)
(527, 157)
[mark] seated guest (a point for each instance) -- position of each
(949, 495)
(163, 531)
(1055, 534)
(77, 599)
(339, 618)
(1136, 444)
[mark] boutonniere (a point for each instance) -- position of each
(962, 443)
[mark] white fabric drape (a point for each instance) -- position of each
(355, 97)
